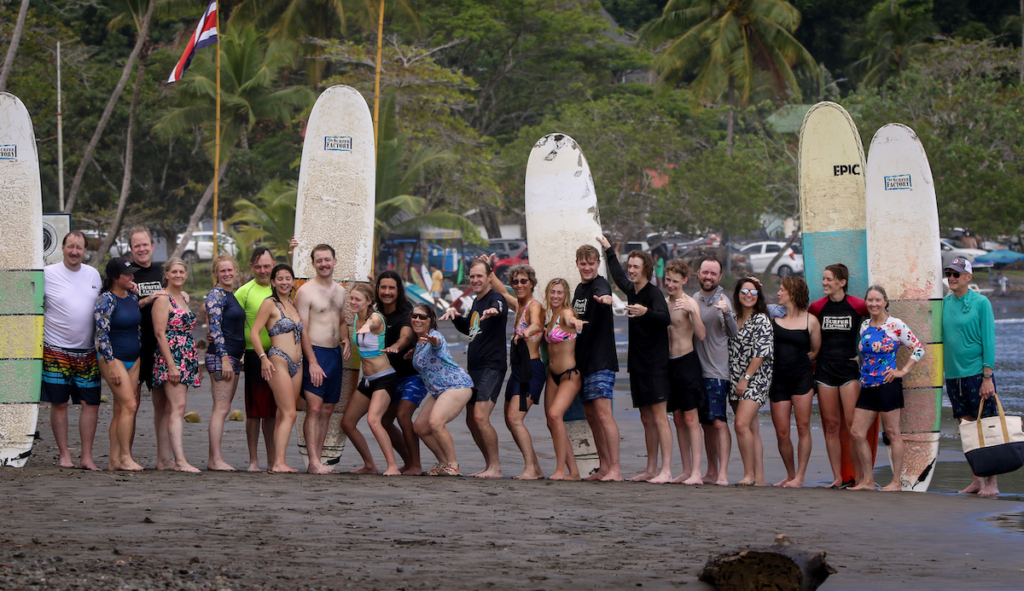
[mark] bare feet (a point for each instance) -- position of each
(88, 465)
(162, 466)
(661, 478)
(318, 468)
(366, 470)
(642, 477)
(835, 484)
(710, 478)
(783, 482)
(745, 482)
(692, 480)
(254, 467)
(973, 489)
(722, 482)
(219, 466)
(989, 491)
(66, 461)
(186, 467)
(393, 472)
(412, 471)
(894, 486)
(599, 475)
(612, 476)
(866, 485)
(496, 473)
(282, 469)
(795, 483)
(530, 475)
(131, 466)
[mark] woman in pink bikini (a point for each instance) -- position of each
(564, 379)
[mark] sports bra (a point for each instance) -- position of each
(285, 324)
(370, 345)
(523, 325)
(557, 335)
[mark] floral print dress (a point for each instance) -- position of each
(180, 322)
(754, 339)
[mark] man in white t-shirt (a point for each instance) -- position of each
(70, 370)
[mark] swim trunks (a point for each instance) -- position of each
(648, 387)
(259, 398)
(600, 384)
(881, 398)
(686, 386)
(486, 384)
(70, 374)
(412, 389)
(965, 397)
(838, 372)
(386, 380)
(716, 391)
(330, 360)
(538, 378)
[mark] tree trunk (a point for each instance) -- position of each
(490, 223)
(76, 184)
(729, 137)
(126, 180)
(771, 264)
(12, 49)
(198, 213)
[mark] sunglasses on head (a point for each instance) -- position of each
(416, 316)
(952, 274)
(746, 291)
(520, 281)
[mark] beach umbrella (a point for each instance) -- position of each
(1002, 256)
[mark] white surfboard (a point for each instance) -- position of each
(335, 205)
(561, 216)
(904, 258)
(21, 283)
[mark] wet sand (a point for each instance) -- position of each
(256, 531)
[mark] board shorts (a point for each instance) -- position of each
(648, 388)
(259, 398)
(833, 373)
(213, 365)
(600, 384)
(436, 295)
(685, 383)
(538, 378)
(881, 397)
(70, 374)
(486, 384)
(965, 397)
(330, 360)
(386, 380)
(412, 389)
(791, 379)
(717, 391)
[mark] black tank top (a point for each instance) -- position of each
(791, 345)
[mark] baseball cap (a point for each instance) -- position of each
(119, 266)
(960, 265)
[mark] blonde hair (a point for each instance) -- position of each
(222, 258)
(174, 261)
(547, 292)
(366, 291)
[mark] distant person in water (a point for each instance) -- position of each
(968, 355)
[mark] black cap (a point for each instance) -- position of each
(119, 266)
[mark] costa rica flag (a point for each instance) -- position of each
(205, 34)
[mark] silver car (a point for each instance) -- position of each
(952, 249)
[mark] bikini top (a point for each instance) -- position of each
(557, 335)
(370, 345)
(285, 324)
(523, 325)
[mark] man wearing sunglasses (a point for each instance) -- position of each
(968, 354)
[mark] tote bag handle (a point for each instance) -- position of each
(1002, 421)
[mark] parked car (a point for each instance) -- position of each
(761, 253)
(501, 266)
(200, 247)
(952, 249)
(472, 251)
(506, 247)
(693, 256)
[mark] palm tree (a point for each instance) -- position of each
(12, 49)
(727, 47)
(269, 218)
(892, 36)
(250, 92)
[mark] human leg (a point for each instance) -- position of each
(486, 438)
(802, 405)
(123, 423)
(358, 404)
(557, 401)
(780, 419)
(848, 394)
(447, 406)
(223, 393)
(663, 432)
(176, 396)
(422, 429)
(379, 403)
(862, 421)
(165, 459)
(413, 465)
(315, 430)
(59, 424)
(746, 415)
(891, 424)
(514, 421)
(286, 389)
(829, 408)
(692, 430)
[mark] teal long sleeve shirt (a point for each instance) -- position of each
(968, 335)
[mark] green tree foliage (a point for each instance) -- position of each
(632, 14)
(892, 36)
(268, 218)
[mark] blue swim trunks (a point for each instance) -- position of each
(412, 388)
(330, 361)
(538, 378)
(717, 392)
(600, 384)
(965, 397)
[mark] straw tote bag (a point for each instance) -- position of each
(993, 445)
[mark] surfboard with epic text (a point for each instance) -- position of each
(335, 205)
(21, 283)
(561, 216)
(904, 257)
(832, 213)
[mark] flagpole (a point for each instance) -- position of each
(60, 140)
(376, 90)
(216, 147)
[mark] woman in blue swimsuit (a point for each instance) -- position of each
(283, 360)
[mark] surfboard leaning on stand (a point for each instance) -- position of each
(335, 205)
(904, 257)
(21, 283)
(561, 216)
(832, 216)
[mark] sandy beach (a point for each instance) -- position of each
(65, 527)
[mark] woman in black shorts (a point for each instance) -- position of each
(838, 369)
(797, 340)
(881, 382)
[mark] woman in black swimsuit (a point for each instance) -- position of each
(797, 340)
(282, 362)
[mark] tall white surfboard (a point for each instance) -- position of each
(335, 205)
(21, 282)
(561, 216)
(904, 258)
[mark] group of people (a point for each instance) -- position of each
(693, 356)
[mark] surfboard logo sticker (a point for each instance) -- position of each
(338, 143)
(898, 182)
(9, 152)
(842, 169)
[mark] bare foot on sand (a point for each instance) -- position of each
(366, 470)
(88, 465)
(162, 466)
(529, 475)
(599, 475)
(710, 478)
(989, 491)
(66, 462)
(318, 468)
(745, 482)
(612, 476)
(692, 479)
(835, 484)
(870, 485)
(783, 482)
(254, 467)
(795, 483)
(393, 472)
(282, 469)
(661, 478)
(642, 477)
(973, 489)
(722, 482)
(131, 466)
(412, 471)
(220, 466)
(112, 467)
(494, 473)
(893, 486)
(186, 467)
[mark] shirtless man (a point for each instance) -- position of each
(321, 304)
(685, 383)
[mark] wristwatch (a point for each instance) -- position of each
(987, 376)
(746, 377)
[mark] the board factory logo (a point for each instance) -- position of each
(338, 143)
(898, 182)
(837, 323)
(841, 169)
(8, 152)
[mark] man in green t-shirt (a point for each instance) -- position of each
(969, 354)
(260, 408)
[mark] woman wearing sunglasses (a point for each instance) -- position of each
(449, 386)
(750, 369)
(881, 384)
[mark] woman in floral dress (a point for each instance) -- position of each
(750, 369)
(176, 364)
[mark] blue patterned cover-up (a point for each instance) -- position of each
(437, 368)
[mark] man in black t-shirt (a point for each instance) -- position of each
(597, 360)
(486, 360)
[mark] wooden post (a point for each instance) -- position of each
(60, 140)
(216, 146)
